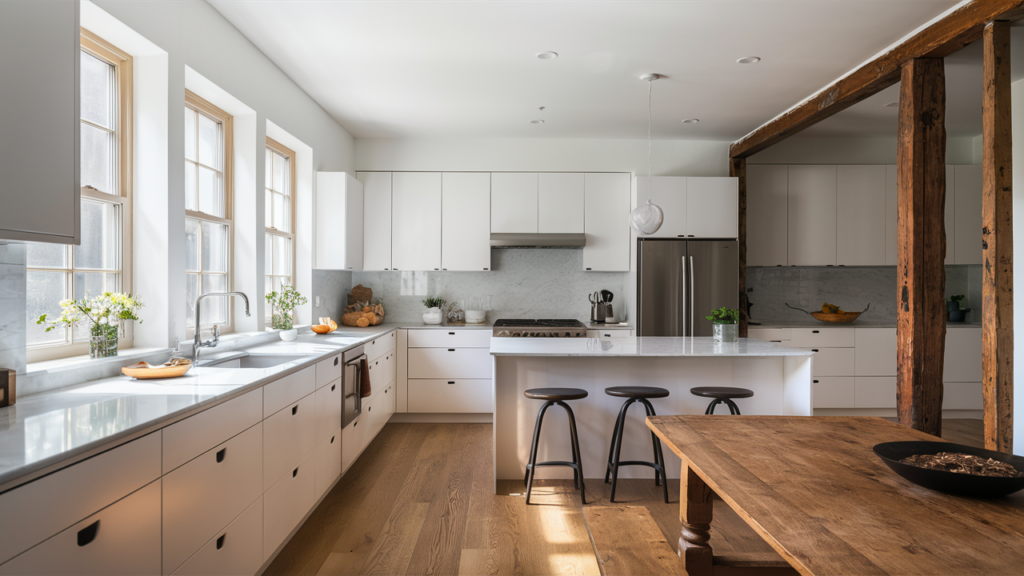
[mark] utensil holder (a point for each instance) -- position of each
(598, 312)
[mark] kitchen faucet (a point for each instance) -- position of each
(198, 343)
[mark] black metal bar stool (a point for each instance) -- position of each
(635, 394)
(722, 395)
(556, 396)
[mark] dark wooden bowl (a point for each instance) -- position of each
(950, 482)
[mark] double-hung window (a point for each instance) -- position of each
(280, 219)
(208, 224)
(102, 262)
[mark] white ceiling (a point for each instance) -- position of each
(467, 68)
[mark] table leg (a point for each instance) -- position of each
(695, 511)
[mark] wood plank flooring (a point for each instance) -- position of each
(420, 501)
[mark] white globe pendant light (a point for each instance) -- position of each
(647, 218)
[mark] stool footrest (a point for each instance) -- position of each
(552, 463)
(636, 463)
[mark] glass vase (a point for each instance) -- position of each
(103, 341)
(726, 332)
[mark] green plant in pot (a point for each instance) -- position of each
(726, 324)
(282, 304)
(955, 308)
(433, 314)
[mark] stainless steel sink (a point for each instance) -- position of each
(256, 361)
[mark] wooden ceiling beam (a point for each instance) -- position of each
(945, 36)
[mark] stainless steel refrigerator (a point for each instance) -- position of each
(679, 282)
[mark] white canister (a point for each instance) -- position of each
(289, 335)
(433, 316)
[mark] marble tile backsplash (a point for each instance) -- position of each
(332, 287)
(853, 288)
(12, 306)
(522, 283)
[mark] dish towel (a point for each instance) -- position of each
(364, 383)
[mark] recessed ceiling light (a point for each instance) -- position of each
(892, 105)
(691, 120)
(749, 60)
(547, 55)
(536, 121)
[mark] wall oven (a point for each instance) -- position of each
(351, 379)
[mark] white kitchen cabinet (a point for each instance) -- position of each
(609, 333)
(328, 409)
(451, 396)
(833, 392)
(184, 440)
(767, 215)
(833, 361)
(606, 222)
(812, 215)
(450, 363)
(962, 396)
(465, 338)
(327, 371)
(514, 202)
(286, 502)
(288, 436)
(328, 463)
(416, 221)
(891, 214)
(376, 220)
(860, 225)
(712, 207)
(380, 346)
(560, 203)
(822, 338)
(40, 121)
(237, 549)
(876, 351)
(962, 358)
(669, 194)
(950, 215)
(354, 438)
(288, 390)
(876, 392)
(466, 221)
(382, 372)
(339, 222)
(967, 205)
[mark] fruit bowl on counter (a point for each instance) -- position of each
(832, 314)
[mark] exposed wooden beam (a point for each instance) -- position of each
(997, 241)
(921, 238)
(738, 170)
(945, 36)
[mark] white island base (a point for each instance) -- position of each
(779, 377)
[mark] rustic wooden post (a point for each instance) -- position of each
(695, 512)
(997, 241)
(921, 273)
(738, 170)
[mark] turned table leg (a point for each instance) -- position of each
(695, 510)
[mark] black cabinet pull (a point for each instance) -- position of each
(295, 473)
(451, 349)
(451, 382)
(220, 541)
(356, 424)
(816, 382)
(369, 408)
(333, 386)
(220, 454)
(336, 360)
(295, 409)
(451, 333)
(588, 268)
(814, 349)
(332, 439)
(88, 534)
(815, 331)
(486, 268)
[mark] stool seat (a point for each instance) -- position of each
(721, 392)
(636, 392)
(555, 394)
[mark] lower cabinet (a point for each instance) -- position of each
(450, 396)
(354, 438)
(288, 436)
(286, 503)
(833, 392)
(875, 392)
(328, 463)
(237, 549)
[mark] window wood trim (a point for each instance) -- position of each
(283, 150)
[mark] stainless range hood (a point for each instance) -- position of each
(538, 240)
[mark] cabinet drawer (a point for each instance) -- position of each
(328, 371)
(455, 338)
(37, 510)
(194, 435)
(876, 351)
(448, 396)
(609, 333)
(770, 334)
(822, 337)
(328, 409)
(832, 392)
(288, 437)
(380, 346)
(963, 355)
(833, 361)
(328, 463)
(204, 495)
(287, 390)
(237, 549)
(286, 502)
(876, 392)
(450, 363)
(354, 438)
(123, 538)
(382, 372)
(379, 411)
(962, 396)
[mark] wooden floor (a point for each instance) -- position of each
(420, 501)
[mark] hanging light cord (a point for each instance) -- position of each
(650, 184)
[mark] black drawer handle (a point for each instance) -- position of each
(332, 439)
(356, 424)
(220, 541)
(451, 349)
(295, 473)
(88, 534)
(814, 349)
(220, 454)
(336, 360)
(815, 331)
(451, 333)
(295, 410)
(369, 408)
(451, 382)
(816, 382)
(333, 386)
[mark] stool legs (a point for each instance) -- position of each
(660, 478)
(531, 467)
(577, 460)
(733, 408)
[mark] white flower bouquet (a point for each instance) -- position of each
(282, 304)
(106, 314)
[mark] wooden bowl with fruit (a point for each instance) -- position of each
(833, 314)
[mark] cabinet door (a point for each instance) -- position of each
(967, 204)
(767, 215)
(833, 392)
(669, 194)
(447, 396)
(286, 502)
(376, 220)
(560, 203)
(514, 202)
(237, 549)
(812, 215)
(891, 214)
(288, 436)
(962, 358)
(354, 438)
(950, 215)
(328, 409)
(339, 222)
(328, 463)
(712, 207)
(875, 392)
(876, 351)
(450, 363)
(860, 222)
(466, 221)
(606, 222)
(416, 216)
(40, 121)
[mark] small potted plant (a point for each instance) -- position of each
(106, 313)
(433, 314)
(282, 304)
(726, 324)
(955, 310)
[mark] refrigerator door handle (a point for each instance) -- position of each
(693, 313)
(682, 330)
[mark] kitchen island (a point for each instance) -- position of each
(780, 378)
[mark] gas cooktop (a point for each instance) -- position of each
(539, 328)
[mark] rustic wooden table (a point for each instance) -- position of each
(812, 489)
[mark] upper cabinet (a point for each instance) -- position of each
(767, 215)
(606, 222)
(861, 212)
(514, 202)
(560, 203)
(465, 221)
(966, 239)
(376, 220)
(812, 215)
(693, 207)
(669, 194)
(40, 119)
(339, 222)
(416, 220)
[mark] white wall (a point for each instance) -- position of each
(828, 150)
(1017, 110)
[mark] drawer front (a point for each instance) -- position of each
(328, 463)
(286, 502)
(833, 361)
(379, 411)
(609, 333)
(833, 392)
(194, 435)
(962, 396)
(450, 363)
(237, 549)
(876, 392)
(288, 437)
(963, 355)
(822, 337)
(876, 351)
(442, 338)
(38, 510)
(288, 390)
(450, 396)
(123, 538)
(382, 372)
(328, 409)
(204, 495)
(353, 440)
(328, 371)
(380, 346)
(770, 334)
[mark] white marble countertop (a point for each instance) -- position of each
(638, 347)
(811, 323)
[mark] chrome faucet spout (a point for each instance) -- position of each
(197, 342)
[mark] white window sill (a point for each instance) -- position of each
(124, 357)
